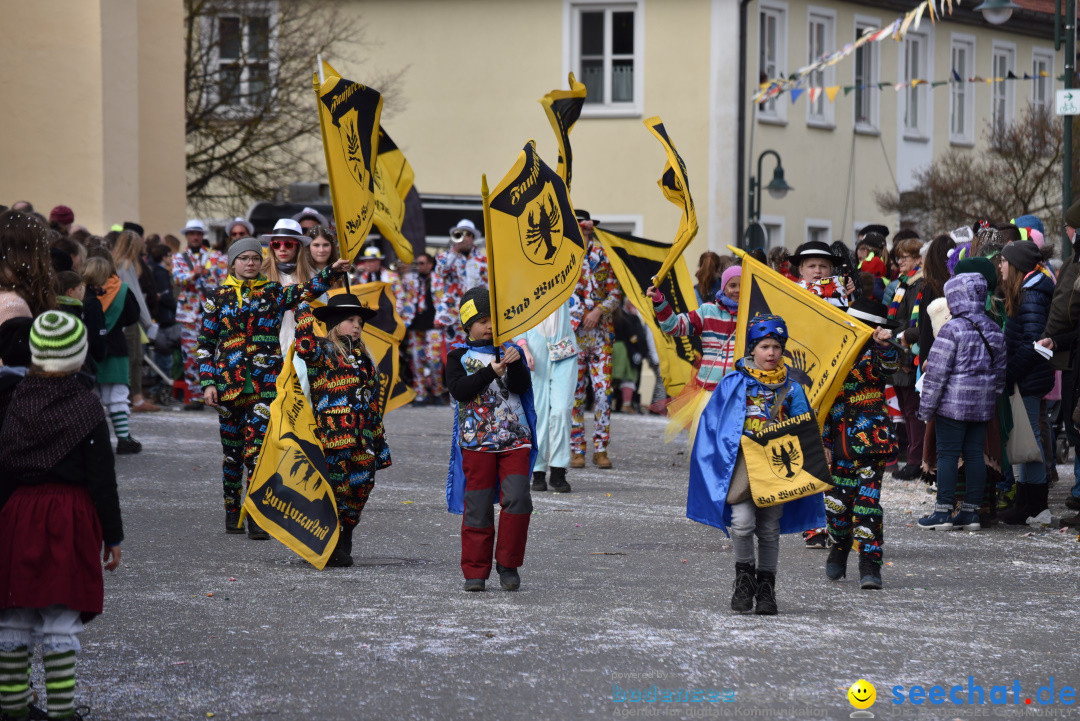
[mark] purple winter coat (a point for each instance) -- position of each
(961, 380)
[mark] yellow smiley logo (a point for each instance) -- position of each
(862, 694)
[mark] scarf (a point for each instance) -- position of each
(770, 379)
(287, 268)
(111, 288)
(46, 420)
(905, 279)
(731, 305)
(233, 282)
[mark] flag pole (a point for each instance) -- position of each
(322, 79)
(485, 193)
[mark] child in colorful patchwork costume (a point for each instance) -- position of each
(859, 436)
(493, 448)
(760, 391)
(345, 398)
(240, 357)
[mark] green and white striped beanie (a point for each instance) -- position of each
(58, 342)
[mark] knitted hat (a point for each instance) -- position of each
(765, 325)
(983, 267)
(1022, 255)
(58, 342)
(475, 304)
(62, 215)
(1029, 221)
(242, 245)
(1072, 215)
(874, 266)
(734, 271)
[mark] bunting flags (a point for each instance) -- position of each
(382, 336)
(823, 341)
(289, 495)
(349, 120)
(534, 245)
(392, 175)
(635, 262)
(676, 189)
(563, 108)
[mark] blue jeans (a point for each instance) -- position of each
(1034, 472)
(956, 439)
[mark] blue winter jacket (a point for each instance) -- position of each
(716, 447)
(1026, 369)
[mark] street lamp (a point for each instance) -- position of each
(997, 12)
(777, 187)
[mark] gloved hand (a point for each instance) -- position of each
(152, 331)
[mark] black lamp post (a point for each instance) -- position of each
(778, 188)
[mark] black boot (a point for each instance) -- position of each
(836, 564)
(255, 533)
(869, 574)
(232, 523)
(347, 534)
(558, 480)
(1017, 514)
(766, 594)
(340, 558)
(744, 588)
(539, 482)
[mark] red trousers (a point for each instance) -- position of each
(509, 470)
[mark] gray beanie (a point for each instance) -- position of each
(241, 245)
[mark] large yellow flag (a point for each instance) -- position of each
(823, 341)
(534, 245)
(349, 119)
(382, 335)
(635, 262)
(676, 189)
(289, 495)
(563, 108)
(393, 174)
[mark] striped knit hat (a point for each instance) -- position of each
(58, 342)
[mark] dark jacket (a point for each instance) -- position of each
(961, 379)
(1064, 317)
(1026, 369)
(464, 387)
(904, 377)
(165, 315)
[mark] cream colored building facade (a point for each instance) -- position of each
(837, 155)
(92, 110)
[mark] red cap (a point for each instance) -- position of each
(62, 215)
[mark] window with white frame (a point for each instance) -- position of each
(241, 52)
(821, 27)
(1042, 86)
(1002, 89)
(867, 63)
(961, 92)
(774, 231)
(607, 54)
(818, 230)
(772, 54)
(916, 61)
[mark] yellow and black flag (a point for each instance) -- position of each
(349, 119)
(823, 341)
(786, 461)
(534, 245)
(392, 174)
(382, 335)
(290, 495)
(635, 262)
(676, 189)
(563, 108)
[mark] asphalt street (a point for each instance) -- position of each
(620, 595)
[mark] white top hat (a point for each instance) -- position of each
(466, 225)
(309, 212)
(194, 226)
(286, 228)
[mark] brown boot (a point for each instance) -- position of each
(600, 459)
(577, 460)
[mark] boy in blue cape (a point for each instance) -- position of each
(493, 448)
(758, 393)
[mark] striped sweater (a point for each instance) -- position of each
(716, 326)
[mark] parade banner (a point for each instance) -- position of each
(391, 168)
(823, 341)
(786, 461)
(563, 108)
(349, 120)
(676, 189)
(289, 495)
(635, 262)
(382, 336)
(534, 245)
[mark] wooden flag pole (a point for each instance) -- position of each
(485, 193)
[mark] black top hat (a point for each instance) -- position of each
(340, 307)
(813, 249)
(871, 312)
(583, 215)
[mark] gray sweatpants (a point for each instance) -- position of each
(747, 520)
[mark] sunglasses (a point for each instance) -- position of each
(278, 244)
(460, 234)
